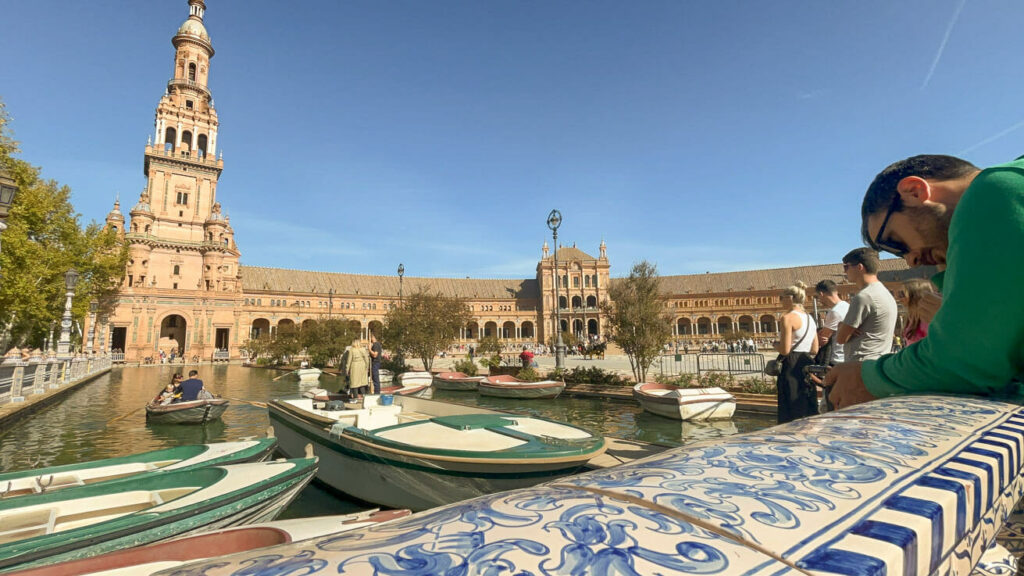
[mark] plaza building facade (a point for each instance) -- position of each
(185, 292)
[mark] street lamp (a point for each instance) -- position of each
(554, 221)
(7, 190)
(64, 345)
(401, 273)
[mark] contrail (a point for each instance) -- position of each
(992, 138)
(942, 45)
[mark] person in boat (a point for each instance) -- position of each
(165, 397)
(797, 345)
(968, 223)
(191, 388)
(356, 369)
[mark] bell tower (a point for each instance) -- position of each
(182, 287)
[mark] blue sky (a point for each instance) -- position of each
(702, 136)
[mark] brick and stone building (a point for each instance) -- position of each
(185, 291)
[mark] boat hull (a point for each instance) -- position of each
(403, 478)
(418, 378)
(458, 383)
(308, 374)
(685, 404)
(172, 553)
(196, 412)
(241, 494)
(511, 387)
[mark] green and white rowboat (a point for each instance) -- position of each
(88, 520)
(35, 481)
(419, 453)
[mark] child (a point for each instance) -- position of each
(165, 397)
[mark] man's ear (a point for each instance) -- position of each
(914, 191)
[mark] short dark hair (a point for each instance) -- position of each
(826, 287)
(192, 373)
(864, 256)
(882, 191)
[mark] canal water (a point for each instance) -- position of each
(106, 418)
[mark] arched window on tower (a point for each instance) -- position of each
(201, 145)
(192, 71)
(186, 141)
(177, 270)
(170, 136)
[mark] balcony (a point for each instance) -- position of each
(191, 84)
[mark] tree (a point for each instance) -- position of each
(256, 347)
(284, 344)
(637, 317)
(44, 240)
(424, 325)
(325, 340)
(489, 351)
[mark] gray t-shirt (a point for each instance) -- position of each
(873, 311)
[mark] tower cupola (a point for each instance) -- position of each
(115, 219)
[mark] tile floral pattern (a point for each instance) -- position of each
(909, 485)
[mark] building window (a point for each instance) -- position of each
(177, 270)
(175, 285)
(188, 104)
(586, 281)
(192, 71)
(575, 281)
(182, 199)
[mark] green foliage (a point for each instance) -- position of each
(590, 375)
(489, 351)
(637, 318)
(424, 325)
(529, 375)
(257, 348)
(758, 386)
(755, 385)
(466, 366)
(285, 344)
(325, 340)
(568, 339)
(43, 240)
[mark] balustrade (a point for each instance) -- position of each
(19, 378)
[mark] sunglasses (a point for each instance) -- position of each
(891, 246)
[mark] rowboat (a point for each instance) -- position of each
(308, 374)
(908, 485)
(146, 560)
(505, 386)
(685, 403)
(38, 480)
(194, 412)
(95, 519)
(418, 453)
(418, 391)
(415, 378)
(456, 381)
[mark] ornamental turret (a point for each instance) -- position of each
(115, 219)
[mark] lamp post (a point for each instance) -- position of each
(64, 345)
(92, 327)
(330, 302)
(401, 273)
(7, 190)
(554, 221)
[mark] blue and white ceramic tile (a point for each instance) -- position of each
(996, 561)
(530, 531)
(916, 485)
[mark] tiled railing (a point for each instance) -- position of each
(20, 378)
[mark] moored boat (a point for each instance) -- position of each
(193, 412)
(52, 478)
(149, 559)
(685, 403)
(456, 381)
(910, 485)
(418, 453)
(89, 520)
(505, 386)
(415, 378)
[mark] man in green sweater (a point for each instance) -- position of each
(969, 223)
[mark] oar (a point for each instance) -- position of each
(249, 402)
(282, 376)
(123, 416)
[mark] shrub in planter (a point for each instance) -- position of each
(528, 374)
(593, 375)
(466, 366)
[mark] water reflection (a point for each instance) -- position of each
(106, 418)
